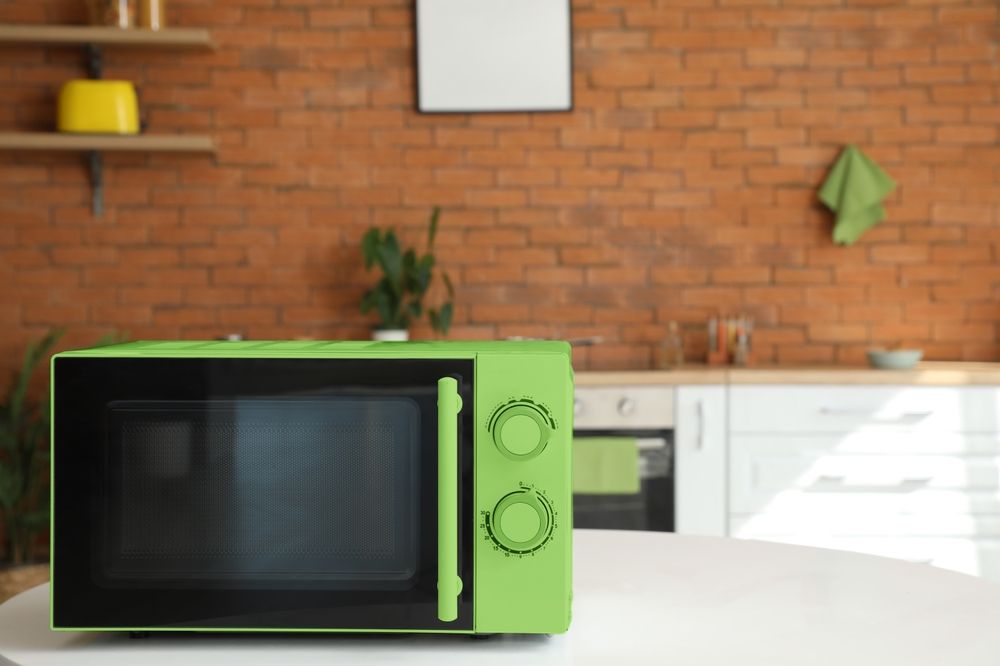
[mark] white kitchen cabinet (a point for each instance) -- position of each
(700, 450)
(904, 471)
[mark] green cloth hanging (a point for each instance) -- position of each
(854, 190)
(606, 465)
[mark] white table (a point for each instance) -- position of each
(640, 598)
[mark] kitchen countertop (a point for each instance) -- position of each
(930, 373)
(639, 598)
(692, 374)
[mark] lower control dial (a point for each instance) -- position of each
(521, 521)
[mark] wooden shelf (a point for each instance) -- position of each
(188, 38)
(173, 143)
(93, 39)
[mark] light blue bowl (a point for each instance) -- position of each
(895, 359)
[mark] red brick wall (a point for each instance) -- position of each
(682, 184)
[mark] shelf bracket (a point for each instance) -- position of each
(95, 61)
(96, 163)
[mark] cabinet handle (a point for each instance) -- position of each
(700, 411)
(844, 411)
(850, 411)
(917, 481)
(449, 585)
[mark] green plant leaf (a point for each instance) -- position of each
(34, 433)
(432, 227)
(422, 275)
(8, 440)
(448, 285)
(380, 298)
(409, 267)
(10, 486)
(370, 243)
(441, 319)
(447, 310)
(391, 261)
(368, 301)
(34, 520)
(389, 309)
(111, 338)
(415, 308)
(35, 353)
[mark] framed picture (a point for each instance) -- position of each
(494, 55)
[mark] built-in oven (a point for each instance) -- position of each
(623, 458)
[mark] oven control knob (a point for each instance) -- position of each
(521, 522)
(521, 432)
(626, 406)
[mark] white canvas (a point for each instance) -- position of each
(494, 55)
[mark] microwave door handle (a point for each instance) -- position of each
(449, 585)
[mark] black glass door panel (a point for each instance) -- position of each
(252, 493)
(264, 493)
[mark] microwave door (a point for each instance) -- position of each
(263, 494)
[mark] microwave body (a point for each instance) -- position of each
(312, 486)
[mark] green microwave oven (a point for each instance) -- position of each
(312, 486)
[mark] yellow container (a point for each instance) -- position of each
(98, 107)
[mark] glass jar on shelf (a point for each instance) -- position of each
(152, 14)
(672, 349)
(113, 13)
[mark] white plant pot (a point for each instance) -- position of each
(390, 335)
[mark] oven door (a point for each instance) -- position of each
(623, 479)
(225, 493)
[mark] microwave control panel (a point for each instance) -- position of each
(523, 463)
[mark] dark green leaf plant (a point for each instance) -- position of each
(24, 454)
(24, 457)
(398, 296)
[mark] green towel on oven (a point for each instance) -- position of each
(605, 466)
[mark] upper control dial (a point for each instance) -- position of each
(521, 432)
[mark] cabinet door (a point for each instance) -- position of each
(910, 473)
(700, 446)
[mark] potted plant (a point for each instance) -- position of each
(24, 461)
(398, 296)
(24, 471)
